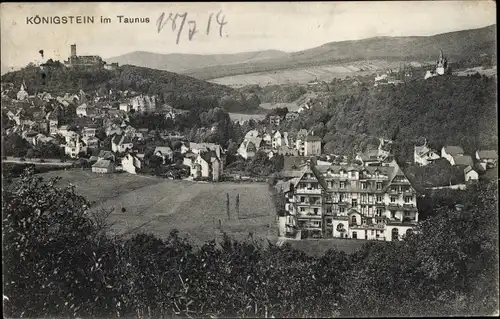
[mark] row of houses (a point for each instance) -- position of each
(455, 155)
(278, 142)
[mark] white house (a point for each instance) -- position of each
(120, 143)
(131, 163)
(249, 147)
(204, 164)
(164, 152)
(470, 174)
(308, 146)
(74, 146)
(423, 155)
(81, 110)
(125, 107)
(279, 139)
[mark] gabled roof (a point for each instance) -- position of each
(453, 150)
(463, 160)
(487, 154)
(164, 150)
(422, 150)
(312, 138)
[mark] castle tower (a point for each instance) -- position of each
(73, 50)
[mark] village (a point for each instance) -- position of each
(325, 195)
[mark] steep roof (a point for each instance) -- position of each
(164, 150)
(117, 139)
(453, 150)
(106, 154)
(487, 154)
(463, 160)
(421, 150)
(313, 138)
(467, 169)
(207, 156)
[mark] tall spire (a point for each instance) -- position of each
(440, 54)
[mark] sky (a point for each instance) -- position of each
(251, 26)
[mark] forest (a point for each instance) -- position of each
(446, 110)
(178, 90)
(59, 260)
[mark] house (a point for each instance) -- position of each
(279, 139)
(81, 110)
(197, 148)
(461, 160)
(249, 147)
(22, 94)
(350, 201)
(206, 164)
(373, 157)
(53, 122)
(487, 158)
(131, 163)
(103, 167)
(120, 143)
(92, 142)
(470, 174)
(423, 155)
(164, 152)
(125, 107)
(309, 145)
(89, 131)
(74, 146)
(275, 120)
(286, 221)
(449, 151)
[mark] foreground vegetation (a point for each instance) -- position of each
(60, 261)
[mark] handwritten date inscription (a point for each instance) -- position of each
(178, 22)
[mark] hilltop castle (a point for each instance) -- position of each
(87, 61)
(442, 67)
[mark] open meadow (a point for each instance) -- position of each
(155, 205)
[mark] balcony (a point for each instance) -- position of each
(394, 205)
(394, 191)
(308, 191)
(380, 204)
(409, 207)
(307, 216)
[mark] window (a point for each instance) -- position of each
(316, 210)
(380, 199)
(393, 199)
(379, 186)
(353, 219)
(373, 232)
(342, 184)
(395, 234)
(342, 209)
(354, 235)
(377, 235)
(341, 197)
(354, 202)
(340, 227)
(379, 211)
(363, 185)
(407, 199)
(302, 209)
(302, 199)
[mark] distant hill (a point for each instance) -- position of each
(459, 45)
(179, 90)
(183, 62)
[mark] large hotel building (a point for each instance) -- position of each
(359, 202)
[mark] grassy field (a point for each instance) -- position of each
(307, 74)
(154, 205)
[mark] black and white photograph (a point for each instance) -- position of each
(249, 159)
